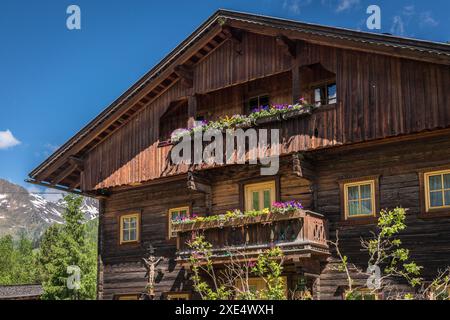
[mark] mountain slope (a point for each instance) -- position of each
(21, 211)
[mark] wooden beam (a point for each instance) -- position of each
(341, 43)
(192, 110)
(64, 174)
(296, 91)
(79, 163)
(186, 75)
(289, 46)
(231, 33)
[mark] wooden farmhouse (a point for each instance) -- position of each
(372, 133)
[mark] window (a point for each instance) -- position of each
(359, 199)
(256, 285)
(325, 94)
(178, 296)
(129, 228)
(437, 190)
(259, 196)
(176, 214)
(256, 102)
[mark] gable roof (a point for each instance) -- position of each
(62, 169)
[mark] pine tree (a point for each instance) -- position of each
(67, 245)
(17, 261)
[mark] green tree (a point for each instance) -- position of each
(17, 261)
(68, 245)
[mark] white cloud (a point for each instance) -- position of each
(294, 6)
(7, 140)
(398, 26)
(344, 5)
(426, 19)
(409, 10)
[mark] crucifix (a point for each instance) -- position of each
(150, 265)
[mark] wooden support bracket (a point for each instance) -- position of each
(186, 75)
(288, 45)
(197, 184)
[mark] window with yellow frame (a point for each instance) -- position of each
(129, 228)
(259, 196)
(178, 296)
(437, 190)
(258, 284)
(359, 199)
(176, 214)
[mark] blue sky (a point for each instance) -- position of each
(53, 81)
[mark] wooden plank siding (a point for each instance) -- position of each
(123, 271)
(398, 166)
(378, 97)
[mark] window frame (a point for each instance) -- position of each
(258, 186)
(136, 215)
(321, 85)
(427, 198)
(359, 220)
(169, 218)
(372, 193)
(249, 109)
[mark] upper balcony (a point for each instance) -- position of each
(300, 234)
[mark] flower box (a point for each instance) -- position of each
(268, 119)
(238, 222)
(307, 110)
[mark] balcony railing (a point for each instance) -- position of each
(303, 234)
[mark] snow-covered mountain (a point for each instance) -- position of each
(21, 211)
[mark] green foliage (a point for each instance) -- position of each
(385, 249)
(71, 244)
(17, 261)
(268, 267)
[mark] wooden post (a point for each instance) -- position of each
(192, 110)
(296, 93)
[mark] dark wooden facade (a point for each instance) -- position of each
(391, 121)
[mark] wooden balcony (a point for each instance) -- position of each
(301, 234)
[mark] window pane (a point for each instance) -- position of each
(366, 191)
(318, 97)
(447, 198)
(255, 197)
(331, 93)
(264, 101)
(353, 193)
(183, 213)
(436, 199)
(133, 235)
(366, 206)
(353, 208)
(133, 223)
(266, 199)
(253, 103)
(126, 236)
(436, 183)
(447, 181)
